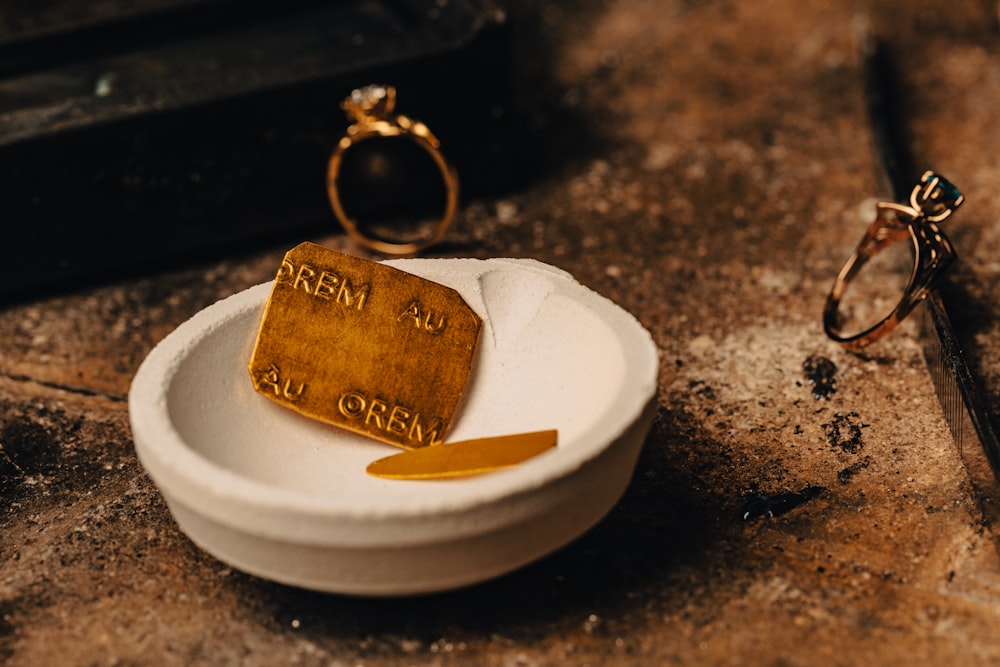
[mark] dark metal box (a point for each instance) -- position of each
(137, 134)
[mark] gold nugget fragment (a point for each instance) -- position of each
(364, 346)
(464, 458)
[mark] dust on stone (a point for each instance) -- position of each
(847, 474)
(821, 374)
(844, 432)
(758, 506)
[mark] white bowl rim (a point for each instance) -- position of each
(187, 476)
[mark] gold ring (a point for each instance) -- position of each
(371, 111)
(932, 200)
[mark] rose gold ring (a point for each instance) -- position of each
(932, 200)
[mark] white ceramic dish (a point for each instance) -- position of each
(287, 498)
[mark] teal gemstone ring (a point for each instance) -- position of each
(932, 200)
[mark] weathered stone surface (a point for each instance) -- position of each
(705, 165)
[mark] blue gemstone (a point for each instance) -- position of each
(945, 193)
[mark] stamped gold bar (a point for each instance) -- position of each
(364, 346)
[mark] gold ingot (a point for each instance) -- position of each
(365, 347)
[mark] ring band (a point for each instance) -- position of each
(371, 111)
(932, 200)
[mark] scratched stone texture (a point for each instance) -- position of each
(706, 165)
